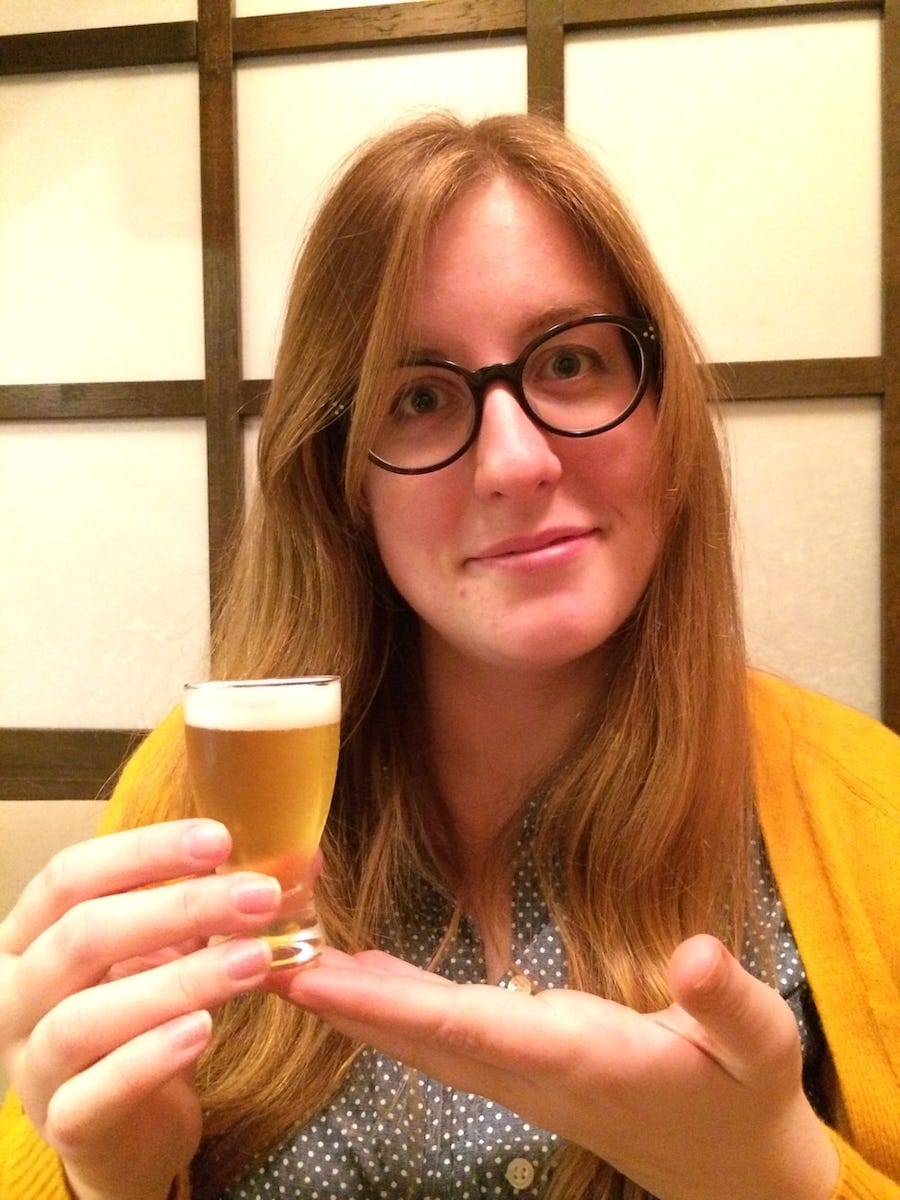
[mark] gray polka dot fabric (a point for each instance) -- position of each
(392, 1133)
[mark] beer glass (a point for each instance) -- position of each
(262, 758)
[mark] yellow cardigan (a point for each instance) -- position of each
(828, 795)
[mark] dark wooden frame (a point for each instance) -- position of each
(81, 764)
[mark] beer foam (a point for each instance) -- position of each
(264, 703)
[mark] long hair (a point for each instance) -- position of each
(648, 817)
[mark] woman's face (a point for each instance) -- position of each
(532, 549)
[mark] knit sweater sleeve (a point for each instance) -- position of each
(826, 783)
(29, 1168)
(857, 1179)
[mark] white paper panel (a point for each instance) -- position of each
(751, 153)
(100, 227)
(251, 438)
(104, 600)
(42, 16)
(807, 485)
(298, 118)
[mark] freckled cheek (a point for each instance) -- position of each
(413, 552)
(621, 487)
(625, 482)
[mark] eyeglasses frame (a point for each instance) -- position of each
(478, 381)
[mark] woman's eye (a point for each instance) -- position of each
(428, 396)
(560, 365)
(567, 364)
(421, 400)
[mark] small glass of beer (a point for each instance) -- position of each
(262, 758)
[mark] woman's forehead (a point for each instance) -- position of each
(501, 258)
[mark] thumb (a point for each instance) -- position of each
(748, 1028)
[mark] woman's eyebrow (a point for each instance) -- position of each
(554, 314)
(557, 313)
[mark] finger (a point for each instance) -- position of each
(107, 865)
(91, 1025)
(398, 968)
(423, 1025)
(376, 961)
(97, 1099)
(81, 947)
(423, 1019)
(746, 1025)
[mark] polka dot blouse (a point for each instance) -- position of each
(394, 1133)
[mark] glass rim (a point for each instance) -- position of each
(309, 680)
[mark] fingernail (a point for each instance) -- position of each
(206, 840)
(246, 960)
(190, 1031)
(255, 895)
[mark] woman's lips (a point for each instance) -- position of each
(550, 548)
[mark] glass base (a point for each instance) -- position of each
(296, 948)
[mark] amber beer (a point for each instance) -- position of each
(262, 756)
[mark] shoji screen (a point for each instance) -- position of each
(751, 150)
(159, 163)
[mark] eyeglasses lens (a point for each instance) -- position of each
(583, 378)
(432, 415)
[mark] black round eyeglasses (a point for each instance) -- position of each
(578, 379)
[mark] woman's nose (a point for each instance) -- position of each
(513, 455)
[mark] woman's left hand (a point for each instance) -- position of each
(701, 1101)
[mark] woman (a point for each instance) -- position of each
(555, 775)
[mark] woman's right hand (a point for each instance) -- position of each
(106, 989)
